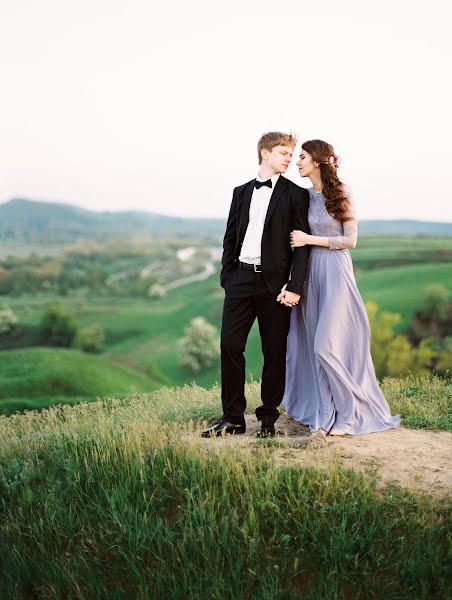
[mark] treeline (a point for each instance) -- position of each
(56, 328)
(117, 268)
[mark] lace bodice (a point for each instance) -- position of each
(321, 223)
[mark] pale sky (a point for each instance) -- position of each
(159, 105)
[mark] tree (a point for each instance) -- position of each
(156, 291)
(8, 320)
(392, 353)
(434, 318)
(57, 327)
(91, 338)
(200, 346)
(435, 302)
(382, 327)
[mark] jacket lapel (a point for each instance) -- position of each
(245, 209)
(277, 193)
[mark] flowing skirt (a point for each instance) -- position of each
(330, 377)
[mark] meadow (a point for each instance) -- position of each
(36, 377)
(142, 332)
(123, 499)
(119, 497)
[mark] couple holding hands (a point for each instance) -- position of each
(286, 261)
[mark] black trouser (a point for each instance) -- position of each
(247, 297)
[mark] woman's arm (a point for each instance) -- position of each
(338, 242)
(348, 240)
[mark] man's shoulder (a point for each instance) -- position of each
(241, 187)
(297, 189)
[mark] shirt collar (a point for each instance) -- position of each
(274, 179)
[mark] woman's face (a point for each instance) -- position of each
(306, 164)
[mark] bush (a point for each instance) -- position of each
(435, 302)
(8, 320)
(90, 339)
(393, 354)
(156, 291)
(200, 346)
(57, 328)
(434, 318)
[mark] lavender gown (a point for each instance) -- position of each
(330, 377)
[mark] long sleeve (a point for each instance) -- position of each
(300, 255)
(229, 240)
(349, 228)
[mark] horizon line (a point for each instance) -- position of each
(203, 217)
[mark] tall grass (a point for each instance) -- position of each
(118, 499)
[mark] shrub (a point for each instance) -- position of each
(156, 291)
(393, 354)
(90, 339)
(435, 301)
(57, 327)
(200, 346)
(8, 320)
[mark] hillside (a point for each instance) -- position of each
(27, 221)
(40, 377)
(141, 333)
(97, 498)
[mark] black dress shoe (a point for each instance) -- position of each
(265, 430)
(223, 427)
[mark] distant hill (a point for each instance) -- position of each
(24, 220)
(404, 228)
(28, 221)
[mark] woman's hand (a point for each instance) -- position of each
(281, 294)
(298, 238)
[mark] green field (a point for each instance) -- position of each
(399, 289)
(123, 499)
(377, 252)
(142, 334)
(38, 377)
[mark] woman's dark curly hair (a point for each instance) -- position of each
(337, 202)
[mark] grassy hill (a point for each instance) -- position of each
(114, 499)
(23, 220)
(399, 289)
(39, 377)
(143, 334)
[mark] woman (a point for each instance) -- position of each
(330, 382)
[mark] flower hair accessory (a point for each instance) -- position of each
(335, 160)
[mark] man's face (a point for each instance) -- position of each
(278, 159)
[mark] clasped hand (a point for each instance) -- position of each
(298, 238)
(288, 298)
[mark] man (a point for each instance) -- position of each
(257, 262)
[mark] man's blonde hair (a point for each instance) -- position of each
(275, 138)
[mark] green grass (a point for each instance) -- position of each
(423, 403)
(141, 332)
(33, 376)
(113, 500)
(400, 289)
(376, 252)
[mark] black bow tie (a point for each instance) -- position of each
(259, 184)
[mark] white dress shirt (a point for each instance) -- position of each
(251, 247)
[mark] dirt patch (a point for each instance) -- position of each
(412, 458)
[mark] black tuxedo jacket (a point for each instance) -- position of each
(287, 210)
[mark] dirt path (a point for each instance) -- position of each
(413, 458)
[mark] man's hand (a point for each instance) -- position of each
(288, 298)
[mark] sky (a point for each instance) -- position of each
(159, 105)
